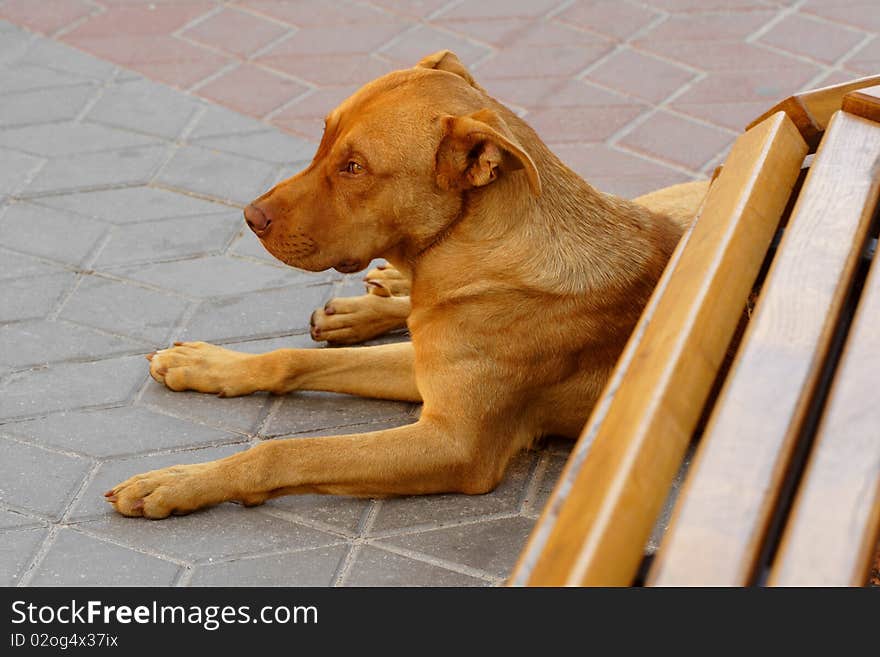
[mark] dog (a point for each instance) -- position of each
(519, 283)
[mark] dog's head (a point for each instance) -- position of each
(392, 171)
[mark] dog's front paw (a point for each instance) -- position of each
(206, 368)
(385, 281)
(179, 489)
(351, 320)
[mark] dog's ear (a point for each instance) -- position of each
(446, 60)
(476, 148)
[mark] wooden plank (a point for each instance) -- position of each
(720, 521)
(831, 535)
(600, 516)
(812, 110)
(864, 103)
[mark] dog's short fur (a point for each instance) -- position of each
(524, 283)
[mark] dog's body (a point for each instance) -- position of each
(524, 284)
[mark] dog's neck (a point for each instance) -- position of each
(571, 240)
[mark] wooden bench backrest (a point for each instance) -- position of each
(595, 526)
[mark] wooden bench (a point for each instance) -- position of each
(784, 488)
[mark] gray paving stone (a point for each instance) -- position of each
(15, 169)
(14, 44)
(61, 139)
(125, 308)
(212, 276)
(144, 106)
(132, 204)
(218, 175)
(217, 121)
(40, 342)
(547, 483)
(290, 169)
(233, 414)
(262, 313)
(339, 512)
(45, 105)
(53, 234)
(19, 265)
(248, 245)
(116, 432)
(301, 341)
(17, 549)
(48, 493)
(267, 145)
(75, 559)
(377, 567)
(56, 56)
(492, 546)
(306, 568)
(128, 166)
(309, 411)
(400, 512)
(25, 298)
(14, 519)
(226, 530)
(91, 504)
(71, 385)
(170, 238)
(28, 77)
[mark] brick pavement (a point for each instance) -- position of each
(120, 231)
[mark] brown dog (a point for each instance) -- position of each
(525, 284)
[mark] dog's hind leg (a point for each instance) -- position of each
(382, 372)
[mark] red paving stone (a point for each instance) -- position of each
(580, 71)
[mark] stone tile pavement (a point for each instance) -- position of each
(120, 231)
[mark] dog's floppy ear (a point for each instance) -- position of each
(476, 148)
(446, 60)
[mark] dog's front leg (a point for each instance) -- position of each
(430, 456)
(382, 372)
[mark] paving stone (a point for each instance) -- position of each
(221, 122)
(306, 568)
(26, 298)
(301, 341)
(233, 414)
(249, 245)
(678, 140)
(17, 548)
(47, 494)
(251, 89)
(212, 276)
(26, 77)
(14, 519)
(116, 432)
(218, 175)
(128, 166)
(19, 265)
(71, 385)
(816, 39)
(338, 512)
(546, 483)
(226, 530)
(133, 204)
(44, 105)
(16, 169)
(267, 145)
(125, 309)
(14, 43)
(91, 502)
(144, 106)
(310, 411)
(170, 238)
(43, 52)
(53, 234)
(376, 567)
(396, 513)
(261, 313)
(40, 342)
(492, 546)
(60, 139)
(415, 44)
(75, 559)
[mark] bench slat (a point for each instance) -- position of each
(719, 524)
(811, 111)
(594, 528)
(864, 103)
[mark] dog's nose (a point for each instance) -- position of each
(257, 220)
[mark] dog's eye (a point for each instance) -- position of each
(353, 168)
